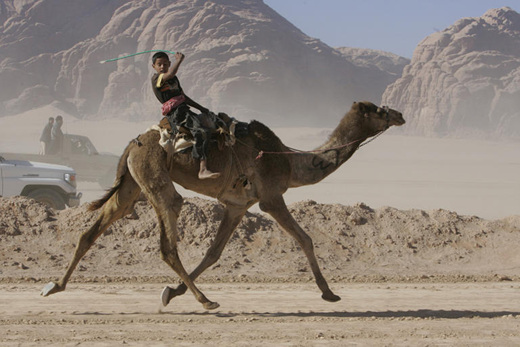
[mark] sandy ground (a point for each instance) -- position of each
(390, 314)
(406, 278)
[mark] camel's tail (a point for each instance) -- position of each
(122, 169)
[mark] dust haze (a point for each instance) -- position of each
(467, 176)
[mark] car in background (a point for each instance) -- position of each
(80, 154)
(53, 185)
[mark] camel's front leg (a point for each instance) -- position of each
(116, 207)
(232, 216)
(277, 208)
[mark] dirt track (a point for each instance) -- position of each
(264, 314)
(407, 277)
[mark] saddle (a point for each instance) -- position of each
(221, 126)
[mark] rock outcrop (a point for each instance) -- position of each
(387, 62)
(241, 58)
(464, 80)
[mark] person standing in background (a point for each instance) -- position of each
(45, 139)
(57, 136)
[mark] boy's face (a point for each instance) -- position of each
(161, 65)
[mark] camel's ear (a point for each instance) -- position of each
(360, 106)
(362, 109)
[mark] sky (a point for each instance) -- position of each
(395, 26)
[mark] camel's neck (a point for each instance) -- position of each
(311, 168)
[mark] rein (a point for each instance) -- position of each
(297, 151)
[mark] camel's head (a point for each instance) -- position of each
(376, 118)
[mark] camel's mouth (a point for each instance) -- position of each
(400, 121)
(396, 118)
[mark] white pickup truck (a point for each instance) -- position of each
(53, 185)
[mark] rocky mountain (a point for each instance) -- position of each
(464, 80)
(388, 62)
(241, 58)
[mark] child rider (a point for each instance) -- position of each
(168, 91)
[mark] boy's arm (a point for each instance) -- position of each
(179, 57)
(192, 103)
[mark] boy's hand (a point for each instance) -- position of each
(179, 56)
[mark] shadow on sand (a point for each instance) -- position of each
(425, 314)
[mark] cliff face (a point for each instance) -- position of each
(392, 64)
(464, 80)
(244, 59)
(241, 58)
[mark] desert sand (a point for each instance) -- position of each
(419, 236)
(406, 278)
(457, 314)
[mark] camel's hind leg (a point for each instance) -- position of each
(160, 192)
(119, 204)
(277, 208)
(232, 216)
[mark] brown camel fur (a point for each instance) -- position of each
(146, 167)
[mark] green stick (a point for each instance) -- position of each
(131, 55)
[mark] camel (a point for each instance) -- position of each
(247, 178)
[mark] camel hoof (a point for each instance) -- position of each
(50, 288)
(330, 297)
(165, 296)
(210, 305)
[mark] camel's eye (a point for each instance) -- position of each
(382, 111)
